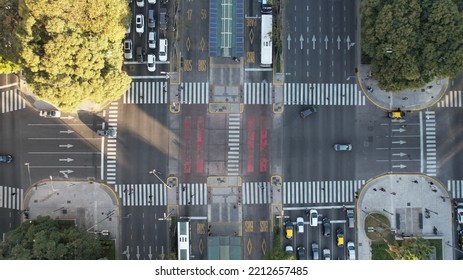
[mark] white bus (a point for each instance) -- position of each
(183, 233)
(266, 50)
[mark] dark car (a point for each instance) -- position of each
(301, 253)
(326, 227)
(6, 158)
(308, 111)
(163, 19)
(110, 132)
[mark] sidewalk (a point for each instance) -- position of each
(407, 100)
(404, 199)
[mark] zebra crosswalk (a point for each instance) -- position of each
(194, 93)
(455, 188)
(321, 191)
(430, 140)
(451, 99)
(142, 194)
(233, 156)
(192, 194)
(11, 198)
(112, 145)
(258, 93)
(256, 193)
(146, 93)
(12, 101)
(322, 94)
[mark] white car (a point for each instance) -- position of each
(350, 250)
(151, 63)
(140, 23)
(151, 1)
(460, 214)
(50, 113)
(326, 254)
(152, 40)
(140, 3)
(163, 49)
(313, 217)
(128, 49)
(300, 225)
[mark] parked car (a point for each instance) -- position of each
(128, 49)
(140, 3)
(6, 158)
(350, 250)
(460, 214)
(140, 24)
(350, 218)
(289, 230)
(163, 45)
(313, 217)
(110, 132)
(342, 147)
(163, 19)
(301, 253)
(152, 40)
(151, 1)
(140, 54)
(300, 225)
(289, 249)
(50, 113)
(151, 19)
(327, 254)
(326, 227)
(339, 237)
(151, 63)
(315, 251)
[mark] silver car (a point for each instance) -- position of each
(342, 147)
(128, 49)
(315, 251)
(140, 23)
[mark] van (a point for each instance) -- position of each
(163, 19)
(151, 19)
(266, 7)
(163, 49)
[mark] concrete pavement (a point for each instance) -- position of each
(413, 203)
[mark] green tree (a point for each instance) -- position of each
(277, 253)
(412, 42)
(47, 239)
(7, 66)
(411, 249)
(71, 51)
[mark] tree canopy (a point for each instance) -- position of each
(412, 42)
(47, 239)
(411, 249)
(70, 51)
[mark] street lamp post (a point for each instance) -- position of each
(51, 182)
(29, 173)
(155, 173)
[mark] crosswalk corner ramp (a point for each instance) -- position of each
(174, 108)
(278, 108)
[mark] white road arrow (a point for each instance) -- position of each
(66, 146)
(398, 120)
(399, 142)
(67, 117)
(66, 131)
(399, 166)
(289, 41)
(400, 154)
(399, 130)
(66, 159)
(149, 254)
(126, 252)
(301, 40)
(138, 253)
(326, 42)
(339, 42)
(313, 42)
(348, 42)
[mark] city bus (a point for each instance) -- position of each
(266, 51)
(183, 233)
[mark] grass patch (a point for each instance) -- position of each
(437, 243)
(378, 228)
(109, 249)
(378, 251)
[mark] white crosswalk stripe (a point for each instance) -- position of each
(142, 194)
(192, 194)
(111, 148)
(320, 191)
(256, 193)
(233, 156)
(258, 93)
(451, 99)
(146, 93)
(12, 101)
(194, 93)
(455, 188)
(322, 94)
(430, 140)
(11, 198)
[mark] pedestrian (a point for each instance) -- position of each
(415, 181)
(393, 193)
(383, 190)
(434, 189)
(150, 196)
(13, 193)
(374, 189)
(431, 183)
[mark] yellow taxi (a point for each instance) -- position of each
(339, 237)
(289, 230)
(396, 114)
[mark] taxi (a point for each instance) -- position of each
(339, 237)
(396, 114)
(289, 230)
